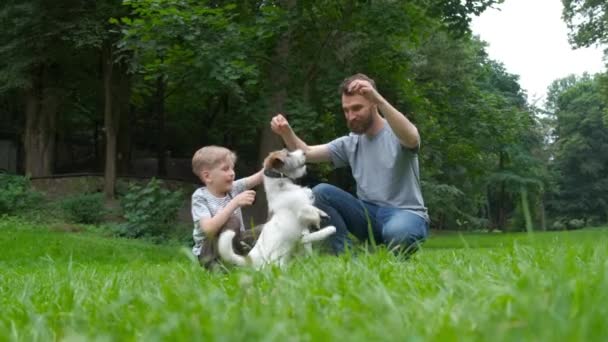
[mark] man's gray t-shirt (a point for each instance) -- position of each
(206, 205)
(386, 172)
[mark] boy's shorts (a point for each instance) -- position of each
(242, 243)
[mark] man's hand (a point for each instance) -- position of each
(404, 130)
(314, 154)
(245, 198)
(279, 125)
(365, 89)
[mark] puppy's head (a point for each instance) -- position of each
(291, 164)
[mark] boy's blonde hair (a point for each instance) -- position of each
(209, 157)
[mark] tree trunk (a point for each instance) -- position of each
(525, 205)
(160, 115)
(110, 124)
(127, 115)
(40, 127)
(270, 141)
(116, 87)
(123, 112)
(501, 221)
(541, 209)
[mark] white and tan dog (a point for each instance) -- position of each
(291, 210)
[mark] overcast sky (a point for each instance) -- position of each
(531, 40)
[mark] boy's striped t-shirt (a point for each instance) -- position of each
(206, 205)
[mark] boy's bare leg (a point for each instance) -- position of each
(210, 256)
(249, 237)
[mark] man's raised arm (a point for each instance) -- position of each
(404, 129)
(314, 154)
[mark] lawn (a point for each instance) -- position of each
(513, 287)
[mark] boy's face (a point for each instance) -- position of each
(221, 177)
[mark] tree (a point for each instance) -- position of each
(587, 21)
(478, 135)
(213, 72)
(34, 56)
(94, 31)
(580, 161)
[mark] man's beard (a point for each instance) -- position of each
(362, 126)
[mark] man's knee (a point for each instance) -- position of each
(327, 195)
(404, 235)
(323, 191)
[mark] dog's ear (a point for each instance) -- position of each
(277, 161)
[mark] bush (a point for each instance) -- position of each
(149, 210)
(593, 221)
(86, 208)
(558, 225)
(576, 224)
(16, 194)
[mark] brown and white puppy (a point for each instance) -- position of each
(291, 210)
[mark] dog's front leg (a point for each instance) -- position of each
(308, 216)
(307, 246)
(318, 235)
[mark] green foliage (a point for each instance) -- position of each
(499, 287)
(209, 58)
(222, 65)
(16, 194)
(558, 225)
(478, 134)
(84, 208)
(32, 43)
(587, 21)
(150, 211)
(576, 224)
(580, 149)
(444, 200)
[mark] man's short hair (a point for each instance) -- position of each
(211, 156)
(347, 81)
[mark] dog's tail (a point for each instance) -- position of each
(224, 246)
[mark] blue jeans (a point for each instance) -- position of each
(397, 228)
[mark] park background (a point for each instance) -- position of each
(118, 91)
(103, 103)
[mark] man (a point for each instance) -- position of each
(383, 155)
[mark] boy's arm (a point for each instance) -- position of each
(212, 225)
(254, 180)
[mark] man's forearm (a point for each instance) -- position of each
(404, 129)
(292, 142)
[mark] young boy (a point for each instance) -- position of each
(217, 205)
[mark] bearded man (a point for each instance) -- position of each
(382, 151)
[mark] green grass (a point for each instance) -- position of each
(80, 286)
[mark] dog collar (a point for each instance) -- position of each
(275, 174)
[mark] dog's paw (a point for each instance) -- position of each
(330, 229)
(245, 245)
(315, 223)
(322, 214)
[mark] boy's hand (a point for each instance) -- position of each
(280, 125)
(245, 198)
